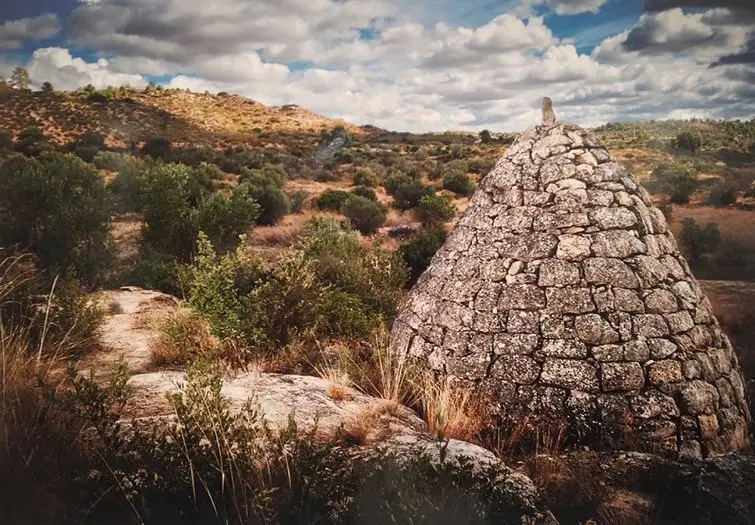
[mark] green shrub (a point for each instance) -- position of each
(154, 270)
(345, 315)
(366, 177)
(481, 165)
(268, 175)
(274, 204)
(418, 252)
(127, 188)
(219, 288)
(688, 141)
(723, 193)
(326, 175)
(224, 220)
(339, 260)
(112, 160)
(170, 194)
(458, 183)
(157, 148)
(485, 137)
(332, 199)
(56, 207)
(32, 142)
(407, 195)
(676, 180)
(435, 209)
(6, 141)
(365, 192)
(456, 151)
(696, 240)
(88, 146)
(365, 215)
(210, 171)
(297, 198)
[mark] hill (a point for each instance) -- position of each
(126, 115)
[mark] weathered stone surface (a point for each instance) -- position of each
(621, 377)
(650, 325)
(664, 372)
(601, 270)
(573, 247)
(616, 243)
(555, 272)
(612, 218)
(660, 301)
(570, 373)
(560, 291)
(569, 300)
(594, 330)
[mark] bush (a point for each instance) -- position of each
(154, 270)
(112, 160)
(366, 192)
(723, 193)
(157, 147)
(458, 183)
(47, 88)
(435, 209)
(87, 146)
(297, 199)
(274, 204)
(56, 207)
(366, 177)
(481, 165)
(688, 141)
(418, 252)
(32, 142)
(182, 338)
(6, 141)
(224, 220)
(697, 240)
(365, 215)
(485, 137)
(676, 180)
(210, 171)
(269, 175)
(332, 199)
(407, 195)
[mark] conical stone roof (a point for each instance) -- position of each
(561, 294)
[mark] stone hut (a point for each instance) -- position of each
(561, 294)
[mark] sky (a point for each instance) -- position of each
(406, 65)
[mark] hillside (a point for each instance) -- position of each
(133, 115)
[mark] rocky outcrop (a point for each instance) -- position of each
(330, 408)
(561, 294)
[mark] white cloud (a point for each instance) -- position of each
(56, 65)
(405, 75)
(14, 32)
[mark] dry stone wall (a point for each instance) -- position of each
(561, 294)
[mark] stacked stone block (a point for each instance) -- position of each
(561, 293)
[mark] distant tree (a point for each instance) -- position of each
(47, 88)
(485, 136)
(19, 79)
(689, 141)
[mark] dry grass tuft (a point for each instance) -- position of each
(184, 336)
(337, 381)
(450, 410)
